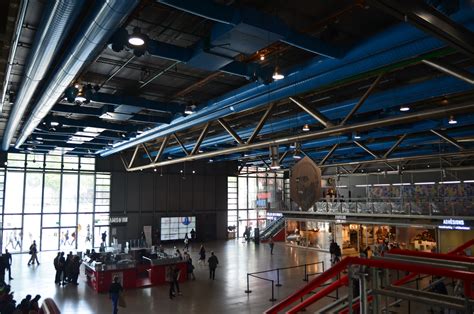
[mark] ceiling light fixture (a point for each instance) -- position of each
(54, 123)
(452, 120)
(356, 136)
(262, 57)
(189, 109)
(136, 38)
(305, 128)
(277, 75)
(404, 108)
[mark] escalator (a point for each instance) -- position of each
(272, 229)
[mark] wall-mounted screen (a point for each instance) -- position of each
(175, 228)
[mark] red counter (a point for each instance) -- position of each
(131, 278)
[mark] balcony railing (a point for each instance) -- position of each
(447, 206)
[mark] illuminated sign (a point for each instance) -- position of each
(454, 224)
(118, 220)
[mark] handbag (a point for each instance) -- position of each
(121, 301)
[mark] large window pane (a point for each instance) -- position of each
(31, 230)
(86, 193)
(67, 239)
(50, 220)
(12, 240)
(68, 220)
(84, 232)
(33, 192)
(98, 231)
(69, 193)
(50, 239)
(14, 192)
(52, 188)
(12, 221)
(242, 192)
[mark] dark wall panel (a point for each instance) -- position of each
(198, 192)
(210, 194)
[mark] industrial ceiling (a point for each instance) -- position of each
(376, 84)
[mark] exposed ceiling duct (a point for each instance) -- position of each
(57, 20)
(94, 34)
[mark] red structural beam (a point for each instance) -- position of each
(460, 249)
(324, 292)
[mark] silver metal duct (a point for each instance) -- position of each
(57, 19)
(107, 16)
(340, 129)
(16, 37)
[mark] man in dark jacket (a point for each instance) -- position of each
(62, 268)
(212, 261)
(57, 278)
(8, 263)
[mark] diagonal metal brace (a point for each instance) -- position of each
(133, 156)
(362, 99)
(448, 139)
(201, 138)
(261, 123)
(162, 148)
(397, 143)
(181, 144)
(329, 154)
(229, 130)
(312, 112)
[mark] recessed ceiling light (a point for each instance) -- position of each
(404, 108)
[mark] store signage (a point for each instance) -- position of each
(118, 220)
(454, 224)
(340, 218)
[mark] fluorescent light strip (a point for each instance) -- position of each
(382, 184)
(362, 185)
(398, 184)
(425, 183)
(93, 130)
(449, 182)
(468, 181)
(341, 186)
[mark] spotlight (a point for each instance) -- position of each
(306, 128)
(452, 120)
(262, 57)
(189, 109)
(277, 75)
(404, 108)
(136, 38)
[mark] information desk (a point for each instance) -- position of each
(131, 277)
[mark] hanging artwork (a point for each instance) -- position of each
(305, 183)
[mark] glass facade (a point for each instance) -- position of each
(59, 201)
(250, 196)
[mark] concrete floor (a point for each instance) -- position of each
(224, 295)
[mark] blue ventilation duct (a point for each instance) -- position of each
(396, 44)
(106, 17)
(57, 19)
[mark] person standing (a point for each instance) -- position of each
(8, 263)
(186, 242)
(57, 278)
(193, 234)
(34, 254)
(114, 294)
(202, 255)
(272, 244)
(212, 261)
(104, 237)
(62, 269)
(189, 266)
(75, 269)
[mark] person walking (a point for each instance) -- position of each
(193, 234)
(202, 255)
(272, 244)
(212, 261)
(190, 266)
(57, 278)
(34, 254)
(8, 263)
(114, 294)
(174, 278)
(186, 242)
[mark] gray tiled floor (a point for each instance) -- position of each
(224, 295)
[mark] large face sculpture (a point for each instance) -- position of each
(305, 183)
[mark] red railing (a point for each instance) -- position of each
(468, 277)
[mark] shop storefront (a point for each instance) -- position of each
(354, 237)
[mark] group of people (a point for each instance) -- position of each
(67, 269)
(8, 304)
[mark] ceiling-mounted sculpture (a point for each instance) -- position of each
(305, 183)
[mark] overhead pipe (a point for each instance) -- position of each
(427, 114)
(382, 100)
(100, 25)
(385, 49)
(20, 19)
(57, 20)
